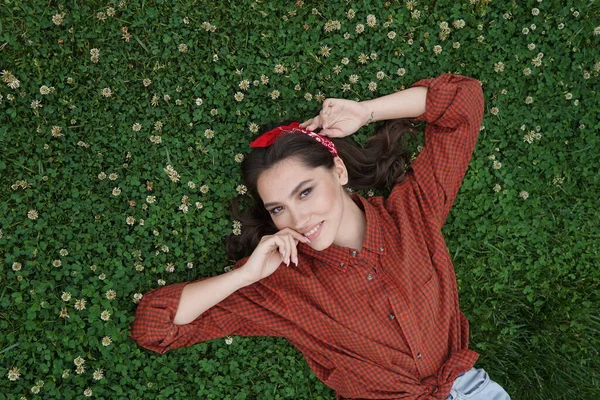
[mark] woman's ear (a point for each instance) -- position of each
(340, 170)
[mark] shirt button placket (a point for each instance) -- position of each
(391, 316)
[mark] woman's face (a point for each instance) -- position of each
(304, 198)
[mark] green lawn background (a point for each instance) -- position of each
(97, 99)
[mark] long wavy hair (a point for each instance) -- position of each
(380, 164)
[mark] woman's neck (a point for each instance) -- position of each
(353, 227)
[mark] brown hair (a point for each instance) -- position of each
(381, 163)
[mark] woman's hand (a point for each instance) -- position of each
(272, 250)
(338, 118)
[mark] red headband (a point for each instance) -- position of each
(268, 138)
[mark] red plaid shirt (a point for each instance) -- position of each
(379, 323)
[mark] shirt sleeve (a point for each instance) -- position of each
(453, 115)
(153, 326)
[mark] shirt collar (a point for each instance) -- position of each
(339, 256)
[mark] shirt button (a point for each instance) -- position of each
(381, 249)
(391, 316)
(435, 390)
(418, 355)
(354, 253)
(341, 264)
(370, 277)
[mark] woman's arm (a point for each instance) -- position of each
(408, 103)
(199, 296)
(340, 117)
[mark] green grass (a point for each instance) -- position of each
(526, 255)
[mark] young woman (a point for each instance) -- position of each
(364, 288)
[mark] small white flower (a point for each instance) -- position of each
(98, 374)
(228, 340)
(105, 315)
(241, 189)
(14, 374)
(524, 195)
(136, 127)
(497, 188)
(66, 296)
(497, 164)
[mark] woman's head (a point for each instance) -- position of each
(272, 173)
(300, 185)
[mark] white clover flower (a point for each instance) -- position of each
(58, 19)
(239, 96)
(391, 35)
(105, 315)
(110, 294)
(524, 195)
(568, 96)
(372, 86)
(16, 266)
(228, 340)
(161, 282)
(209, 133)
(183, 48)
(497, 164)
(32, 214)
(274, 94)
(325, 51)
(497, 188)
(130, 220)
(136, 127)
(360, 28)
(66, 296)
(241, 189)
(56, 131)
(308, 96)
(88, 392)
(116, 191)
(79, 361)
(14, 374)
(535, 11)
(371, 20)
(528, 100)
(98, 374)
(495, 111)
(437, 49)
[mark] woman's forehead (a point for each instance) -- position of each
(285, 176)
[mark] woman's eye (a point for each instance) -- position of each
(307, 191)
(274, 210)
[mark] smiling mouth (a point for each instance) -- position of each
(311, 234)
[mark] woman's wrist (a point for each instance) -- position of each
(408, 103)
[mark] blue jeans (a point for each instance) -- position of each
(475, 384)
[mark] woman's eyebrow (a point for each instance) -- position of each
(296, 189)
